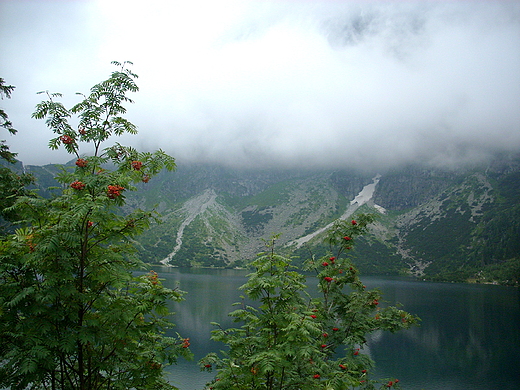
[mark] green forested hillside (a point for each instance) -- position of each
(443, 224)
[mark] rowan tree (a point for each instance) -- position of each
(291, 340)
(72, 313)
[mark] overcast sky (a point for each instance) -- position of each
(338, 83)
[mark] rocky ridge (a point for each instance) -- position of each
(448, 224)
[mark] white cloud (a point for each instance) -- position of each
(298, 82)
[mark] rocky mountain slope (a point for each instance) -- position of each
(439, 224)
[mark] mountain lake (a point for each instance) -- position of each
(469, 336)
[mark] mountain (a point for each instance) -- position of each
(218, 216)
(440, 224)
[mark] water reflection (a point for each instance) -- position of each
(469, 336)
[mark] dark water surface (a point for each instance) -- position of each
(469, 336)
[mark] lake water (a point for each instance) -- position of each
(469, 336)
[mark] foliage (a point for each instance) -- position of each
(199, 254)
(506, 273)
(254, 219)
(12, 184)
(295, 341)
(6, 90)
(72, 315)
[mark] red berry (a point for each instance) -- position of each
(316, 376)
(81, 162)
(356, 352)
(325, 335)
(347, 238)
(335, 329)
(137, 165)
(328, 279)
(313, 315)
(207, 365)
(342, 367)
(114, 191)
(354, 222)
(324, 264)
(77, 185)
(324, 345)
(66, 139)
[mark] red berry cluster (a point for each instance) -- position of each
(30, 244)
(152, 276)
(185, 343)
(136, 165)
(77, 185)
(66, 139)
(114, 191)
(81, 162)
(145, 179)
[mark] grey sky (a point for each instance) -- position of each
(269, 82)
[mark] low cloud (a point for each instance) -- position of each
(299, 83)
